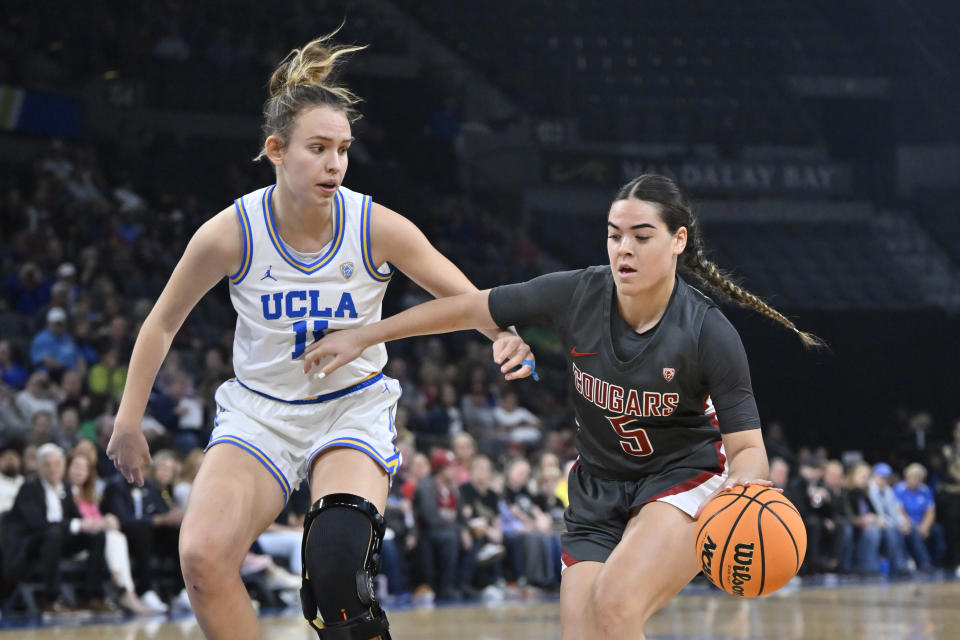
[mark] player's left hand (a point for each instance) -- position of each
(341, 346)
(510, 352)
(729, 484)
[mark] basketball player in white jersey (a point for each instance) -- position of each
(304, 256)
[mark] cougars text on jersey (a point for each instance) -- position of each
(631, 402)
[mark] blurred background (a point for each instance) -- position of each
(819, 141)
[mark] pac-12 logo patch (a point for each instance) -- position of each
(668, 373)
(346, 270)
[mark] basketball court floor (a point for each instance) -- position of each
(868, 611)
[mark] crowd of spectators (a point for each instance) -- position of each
(874, 519)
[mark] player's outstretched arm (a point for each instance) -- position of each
(443, 315)
(401, 243)
(213, 252)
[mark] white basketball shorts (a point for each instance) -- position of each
(286, 437)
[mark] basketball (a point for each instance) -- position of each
(750, 541)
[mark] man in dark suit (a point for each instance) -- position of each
(151, 527)
(45, 525)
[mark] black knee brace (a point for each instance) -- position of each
(341, 555)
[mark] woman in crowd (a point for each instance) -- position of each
(83, 480)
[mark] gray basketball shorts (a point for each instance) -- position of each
(601, 507)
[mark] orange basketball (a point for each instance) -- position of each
(750, 541)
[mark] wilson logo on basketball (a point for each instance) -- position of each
(761, 541)
(706, 557)
(743, 559)
(668, 373)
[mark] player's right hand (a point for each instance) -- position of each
(342, 346)
(730, 483)
(129, 452)
(510, 351)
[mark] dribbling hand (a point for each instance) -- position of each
(510, 352)
(129, 452)
(343, 346)
(729, 484)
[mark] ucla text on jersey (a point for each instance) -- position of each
(294, 304)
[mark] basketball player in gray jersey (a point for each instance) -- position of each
(662, 394)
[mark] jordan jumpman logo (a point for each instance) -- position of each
(267, 275)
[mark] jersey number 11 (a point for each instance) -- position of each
(300, 335)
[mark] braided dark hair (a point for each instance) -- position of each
(676, 212)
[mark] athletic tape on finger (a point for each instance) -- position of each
(533, 369)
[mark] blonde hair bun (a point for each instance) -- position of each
(312, 66)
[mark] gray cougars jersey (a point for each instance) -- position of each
(652, 411)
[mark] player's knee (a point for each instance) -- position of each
(336, 550)
(614, 612)
(340, 558)
(610, 620)
(198, 569)
(205, 561)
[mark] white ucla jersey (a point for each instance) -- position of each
(284, 304)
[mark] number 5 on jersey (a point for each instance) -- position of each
(300, 335)
(633, 441)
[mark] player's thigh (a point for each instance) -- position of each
(653, 562)
(576, 587)
(233, 499)
(345, 470)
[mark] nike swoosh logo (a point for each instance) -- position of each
(578, 354)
